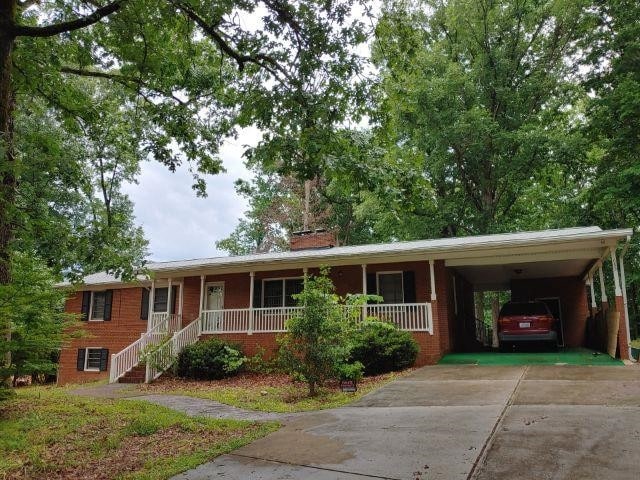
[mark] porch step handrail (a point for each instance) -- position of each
(129, 357)
(160, 360)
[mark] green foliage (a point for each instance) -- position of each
(351, 371)
(258, 364)
(476, 107)
(380, 347)
(209, 360)
(33, 310)
(316, 341)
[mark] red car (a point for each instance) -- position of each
(526, 322)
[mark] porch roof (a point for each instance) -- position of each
(561, 244)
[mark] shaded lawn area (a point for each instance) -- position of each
(268, 392)
(47, 433)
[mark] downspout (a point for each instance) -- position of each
(624, 293)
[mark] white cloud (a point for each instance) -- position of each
(180, 225)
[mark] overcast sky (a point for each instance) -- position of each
(180, 225)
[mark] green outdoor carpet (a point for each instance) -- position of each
(567, 356)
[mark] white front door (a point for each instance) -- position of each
(214, 300)
(214, 296)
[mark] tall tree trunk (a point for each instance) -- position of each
(7, 153)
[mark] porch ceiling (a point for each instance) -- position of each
(499, 277)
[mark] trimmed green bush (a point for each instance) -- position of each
(210, 360)
(382, 348)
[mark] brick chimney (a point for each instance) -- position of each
(312, 240)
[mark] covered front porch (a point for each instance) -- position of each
(262, 302)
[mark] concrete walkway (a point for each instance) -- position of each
(199, 407)
(460, 422)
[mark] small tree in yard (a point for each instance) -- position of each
(316, 343)
(34, 308)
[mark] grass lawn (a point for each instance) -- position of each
(268, 393)
(47, 433)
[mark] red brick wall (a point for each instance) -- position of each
(312, 240)
(124, 328)
(252, 344)
(573, 302)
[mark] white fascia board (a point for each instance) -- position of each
(390, 253)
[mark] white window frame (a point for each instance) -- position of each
(284, 289)
(390, 272)
(91, 319)
(86, 359)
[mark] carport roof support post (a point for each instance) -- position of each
(603, 291)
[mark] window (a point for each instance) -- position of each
(390, 287)
(160, 299)
(98, 301)
(92, 359)
(279, 292)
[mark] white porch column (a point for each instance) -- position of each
(593, 294)
(201, 295)
(152, 297)
(432, 276)
(364, 290)
(603, 291)
(251, 281)
(169, 289)
(616, 278)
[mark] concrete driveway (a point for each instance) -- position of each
(461, 422)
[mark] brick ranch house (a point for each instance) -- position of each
(427, 287)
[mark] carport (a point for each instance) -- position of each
(570, 270)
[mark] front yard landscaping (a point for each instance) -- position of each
(268, 393)
(48, 433)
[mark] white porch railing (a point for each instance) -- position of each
(173, 321)
(415, 317)
(160, 360)
(162, 324)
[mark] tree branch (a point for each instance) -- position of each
(57, 28)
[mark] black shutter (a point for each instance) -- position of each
(108, 298)
(104, 358)
(80, 363)
(174, 296)
(144, 306)
(372, 287)
(257, 293)
(409, 285)
(86, 305)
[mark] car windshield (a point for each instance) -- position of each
(532, 308)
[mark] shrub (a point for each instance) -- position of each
(315, 344)
(351, 371)
(382, 348)
(209, 360)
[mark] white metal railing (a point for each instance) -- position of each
(158, 361)
(129, 357)
(415, 317)
(172, 321)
